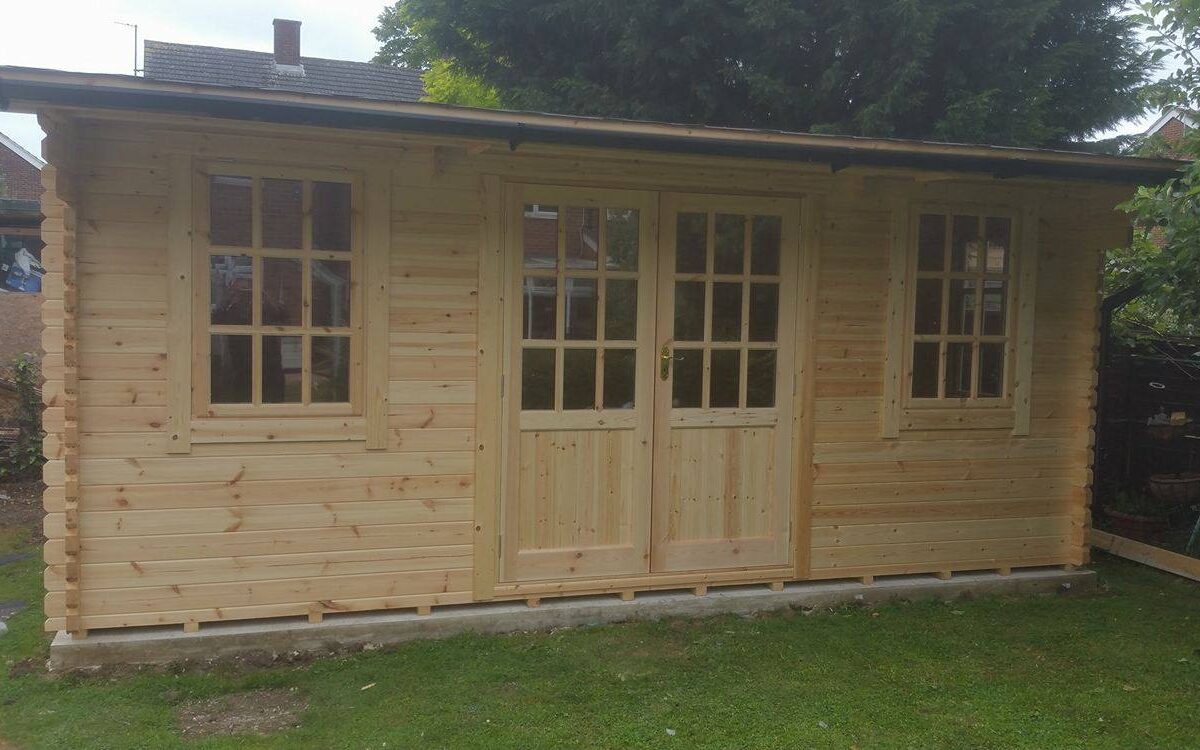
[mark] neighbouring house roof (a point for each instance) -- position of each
(29, 89)
(1188, 118)
(218, 66)
(20, 151)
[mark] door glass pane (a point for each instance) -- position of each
(999, 238)
(965, 244)
(579, 379)
(730, 245)
(331, 369)
(282, 374)
(724, 378)
(991, 370)
(995, 303)
(727, 312)
(962, 307)
(230, 367)
(689, 311)
(687, 383)
(579, 311)
(619, 378)
(229, 209)
(958, 370)
(764, 312)
(540, 236)
(537, 379)
(925, 370)
(622, 239)
(282, 214)
(331, 293)
(231, 283)
(282, 292)
(582, 238)
(331, 215)
(760, 378)
(931, 243)
(540, 312)
(765, 239)
(929, 306)
(691, 238)
(620, 310)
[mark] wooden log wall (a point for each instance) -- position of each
(234, 530)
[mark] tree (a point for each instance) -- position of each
(1025, 72)
(1166, 249)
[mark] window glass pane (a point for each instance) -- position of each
(995, 304)
(730, 244)
(540, 236)
(724, 378)
(230, 368)
(965, 244)
(229, 209)
(727, 312)
(579, 379)
(620, 310)
(331, 293)
(991, 370)
(929, 306)
(282, 214)
(958, 370)
(687, 383)
(331, 215)
(582, 238)
(282, 298)
(230, 288)
(689, 311)
(691, 238)
(931, 243)
(622, 239)
(764, 312)
(619, 378)
(999, 239)
(540, 297)
(579, 312)
(282, 375)
(766, 236)
(537, 379)
(925, 370)
(331, 369)
(963, 296)
(760, 378)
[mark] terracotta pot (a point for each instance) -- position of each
(1135, 526)
(1175, 489)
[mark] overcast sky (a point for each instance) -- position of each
(84, 35)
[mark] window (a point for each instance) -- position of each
(961, 309)
(281, 316)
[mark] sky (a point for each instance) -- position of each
(85, 36)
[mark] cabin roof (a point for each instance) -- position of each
(31, 89)
(220, 66)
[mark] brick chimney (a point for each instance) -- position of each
(287, 42)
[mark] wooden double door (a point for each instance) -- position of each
(650, 382)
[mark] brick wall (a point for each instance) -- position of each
(19, 179)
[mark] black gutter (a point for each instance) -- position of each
(444, 123)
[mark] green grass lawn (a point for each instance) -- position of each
(1115, 670)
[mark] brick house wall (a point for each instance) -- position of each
(18, 178)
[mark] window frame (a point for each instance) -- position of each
(1012, 277)
(203, 249)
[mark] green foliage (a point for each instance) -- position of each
(1028, 72)
(446, 84)
(1172, 28)
(24, 457)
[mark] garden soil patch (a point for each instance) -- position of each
(260, 712)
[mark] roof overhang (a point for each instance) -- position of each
(20, 213)
(29, 89)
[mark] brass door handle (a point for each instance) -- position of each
(664, 361)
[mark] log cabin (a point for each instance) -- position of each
(310, 351)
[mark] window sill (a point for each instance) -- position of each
(314, 429)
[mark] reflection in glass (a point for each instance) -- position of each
(727, 312)
(282, 292)
(929, 307)
(539, 308)
(925, 370)
(764, 312)
(581, 232)
(229, 210)
(622, 239)
(230, 369)
(540, 236)
(691, 238)
(620, 310)
(931, 243)
(689, 310)
(619, 378)
(995, 304)
(579, 312)
(765, 239)
(958, 370)
(231, 284)
(998, 230)
(330, 369)
(537, 379)
(579, 379)
(962, 307)
(331, 293)
(730, 245)
(760, 378)
(282, 214)
(282, 369)
(331, 215)
(687, 383)
(965, 244)
(991, 370)
(725, 378)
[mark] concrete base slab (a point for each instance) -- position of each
(354, 631)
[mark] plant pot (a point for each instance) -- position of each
(1136, 526)
(1175, 489)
